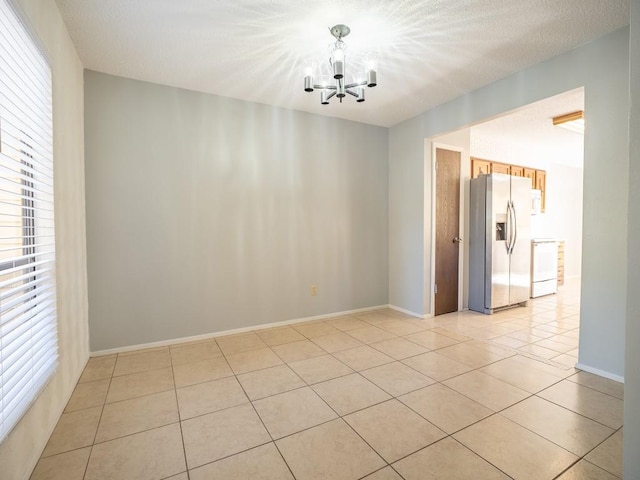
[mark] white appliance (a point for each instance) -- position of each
(499, 244)
(544, 267)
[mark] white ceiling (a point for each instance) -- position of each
(429, 52)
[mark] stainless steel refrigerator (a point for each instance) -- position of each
(499, 242)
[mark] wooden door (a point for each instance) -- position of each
(517, 171)
(530, 173)
(479, 167)
(447, 231)
(500, 168)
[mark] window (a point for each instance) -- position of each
(28, 340)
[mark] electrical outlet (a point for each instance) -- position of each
(314, 290)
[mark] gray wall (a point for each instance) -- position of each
(602, 67)
(206, 213)
(632, 376)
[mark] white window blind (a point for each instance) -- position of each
(28, 339)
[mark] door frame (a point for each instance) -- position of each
(432, 304)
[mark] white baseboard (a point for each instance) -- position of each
(600, 373)
(234, 331)
(408, 312)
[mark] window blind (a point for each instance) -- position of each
(28, 338)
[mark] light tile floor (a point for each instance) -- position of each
(379, 395)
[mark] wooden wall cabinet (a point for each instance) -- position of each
(480, 167)
(530, 173)
(500, 168)
(538, 177)
(517, 171)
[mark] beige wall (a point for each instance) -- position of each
(20, 451)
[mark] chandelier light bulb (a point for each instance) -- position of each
(370, 61)
(336, 84)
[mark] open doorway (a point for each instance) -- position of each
(527, 140)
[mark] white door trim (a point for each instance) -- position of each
(434, 146)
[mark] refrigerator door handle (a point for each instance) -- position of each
(508, 227)
(515, 227)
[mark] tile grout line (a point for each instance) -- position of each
(175, 393)
(261, 420)
(95, 435)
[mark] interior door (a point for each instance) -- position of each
(447, 228)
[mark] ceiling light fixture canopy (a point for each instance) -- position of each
(337, 59)
(573, 121)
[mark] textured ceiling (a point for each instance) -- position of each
(531, 129)
(429, 52)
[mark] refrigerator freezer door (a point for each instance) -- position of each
(520, 267)
(497, 281)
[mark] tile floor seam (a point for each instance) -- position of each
(390, 464)
(531, 393)
(128, 399)
(584, 459)
(451, 436)
(569, 467)
(261, 420)
(95, 435)
(548, 439)
(573, 411)
(142, 371)
(376, 471)
(86, 468)
(255, 410)
(405, 393)
(360, 409)
(594, 389)
(339, 376)
(387, 464)
(134, 433)
(228, 456)
(460, 429)
(284, 460)
(184, 448)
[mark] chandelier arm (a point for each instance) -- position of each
(332, 94)
(352, 93)
(359, 84)
(325, 87)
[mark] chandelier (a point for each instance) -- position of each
(339, 87)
